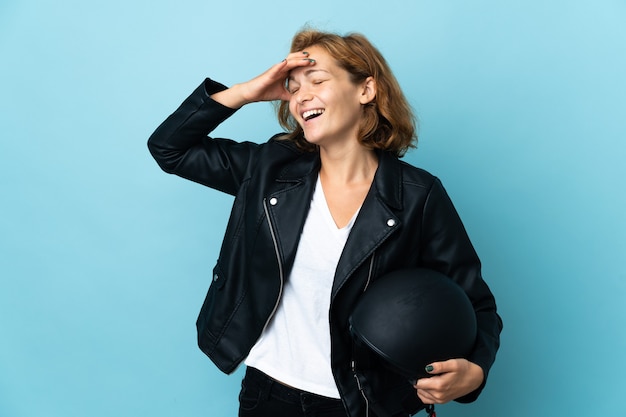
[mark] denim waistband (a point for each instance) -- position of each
(286, 393)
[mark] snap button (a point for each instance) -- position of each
(215, 277)
(391, 222)
(273, 201)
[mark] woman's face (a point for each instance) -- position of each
(324, 100)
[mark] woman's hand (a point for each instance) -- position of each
(451, 379)
(268, 86)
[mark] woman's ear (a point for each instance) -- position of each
(368, 92)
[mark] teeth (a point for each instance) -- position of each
(311, 113)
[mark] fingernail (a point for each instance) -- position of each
(429, 368)
(312, 61)
(305, 53)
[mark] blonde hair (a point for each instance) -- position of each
(388, 122)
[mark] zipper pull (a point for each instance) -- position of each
(430, 409)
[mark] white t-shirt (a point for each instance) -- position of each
(295, 346)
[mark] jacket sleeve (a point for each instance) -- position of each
(447, 248)
(181, 145)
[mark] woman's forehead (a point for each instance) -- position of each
(306, 73)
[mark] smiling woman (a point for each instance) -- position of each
(321, 211)
(326, 103)
(388, 122)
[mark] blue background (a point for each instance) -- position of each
(105, 260)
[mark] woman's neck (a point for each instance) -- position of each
(346, 178)
(348, 165)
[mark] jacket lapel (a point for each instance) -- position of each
(376, 220)
(288, 205)
(289, 202)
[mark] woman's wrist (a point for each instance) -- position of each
(232, 97)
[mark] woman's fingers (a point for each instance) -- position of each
(451, 379)
(298, 59)
(271, 84)
(297, 55)
(267, 86)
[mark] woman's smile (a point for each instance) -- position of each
(311, 114)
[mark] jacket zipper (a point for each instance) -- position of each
(369, 273)
(358, 383)
(280, 265)
(353, 363)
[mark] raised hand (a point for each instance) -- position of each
(267, 86)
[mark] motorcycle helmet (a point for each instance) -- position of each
(414, 317)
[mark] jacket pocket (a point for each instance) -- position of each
(208, 323)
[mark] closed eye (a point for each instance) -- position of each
(291, 87)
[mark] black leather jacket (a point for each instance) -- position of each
(406, 220)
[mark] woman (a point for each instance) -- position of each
(319, 213)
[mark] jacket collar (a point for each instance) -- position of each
(301, 167)
(387, 180)
(375, 223)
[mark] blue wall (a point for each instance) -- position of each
(105, 260)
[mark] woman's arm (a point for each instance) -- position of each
(448, 249)
(181, 145)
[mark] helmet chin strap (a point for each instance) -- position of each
(430, 409)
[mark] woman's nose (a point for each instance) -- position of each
(303, 96)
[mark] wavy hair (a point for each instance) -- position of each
(388, 122)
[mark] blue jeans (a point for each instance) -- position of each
(262, 396)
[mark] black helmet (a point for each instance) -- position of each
(413, 317)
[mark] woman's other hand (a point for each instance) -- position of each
(450, 380)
